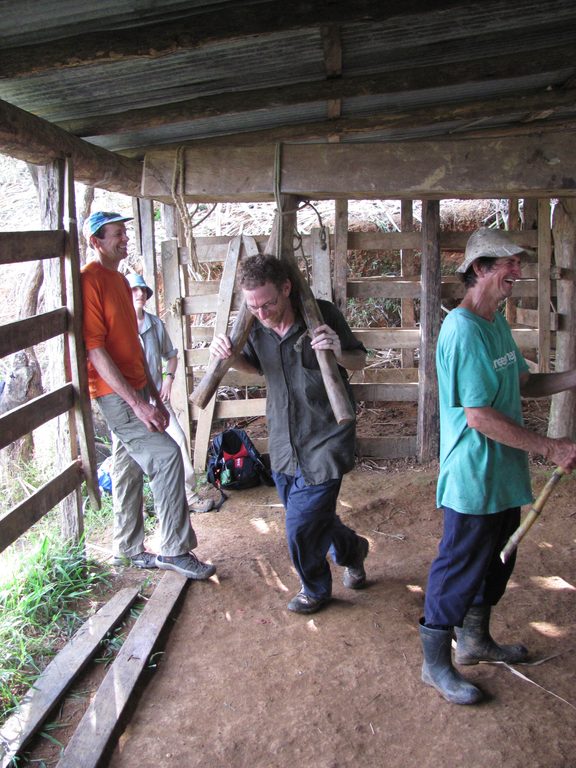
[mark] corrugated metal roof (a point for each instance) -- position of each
(264, 70)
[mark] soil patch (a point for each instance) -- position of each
(244, 683)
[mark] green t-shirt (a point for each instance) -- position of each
(478, 365)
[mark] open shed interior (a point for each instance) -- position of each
(181, 104)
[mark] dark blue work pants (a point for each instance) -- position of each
(313, 529)
(467, 570)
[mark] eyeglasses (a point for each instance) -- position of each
(264, 307)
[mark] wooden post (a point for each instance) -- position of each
(173, 319)
(144, 218)
(51, 187)
(544, 289)
(563, 410)
(407, 268)
(340, 254)
(513, 226)
(77, 373)
(320, 252)
(428, 434)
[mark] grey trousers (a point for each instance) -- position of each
(136, 452)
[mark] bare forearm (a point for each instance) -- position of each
(498, 427)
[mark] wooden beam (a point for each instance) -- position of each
(535, 166)
(29, 138)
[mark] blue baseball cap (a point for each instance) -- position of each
(137, 281)
(98, 219)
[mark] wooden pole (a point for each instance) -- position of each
(428, 436)
(335, 389)
(563, 409)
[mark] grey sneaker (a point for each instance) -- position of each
(303, 603)
(354, 575)
(141, 560)
(199, 505)
(188, 565)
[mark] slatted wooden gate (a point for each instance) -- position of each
(71, 397)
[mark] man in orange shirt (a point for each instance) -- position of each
(120, 382)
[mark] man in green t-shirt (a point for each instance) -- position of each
(484, 478)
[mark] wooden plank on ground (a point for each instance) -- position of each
(22, 516)
(32, 330)
(58, 676)
(98, 725)
(16, 247)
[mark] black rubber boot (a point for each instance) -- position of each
(438, 671)
(474, 644)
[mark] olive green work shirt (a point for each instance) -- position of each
(302, 430)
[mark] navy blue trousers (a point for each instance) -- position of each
(467, 570)
(313, 529)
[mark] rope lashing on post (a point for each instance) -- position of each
(178, 188)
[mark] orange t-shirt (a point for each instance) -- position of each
(109, 321)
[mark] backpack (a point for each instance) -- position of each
(234, 463)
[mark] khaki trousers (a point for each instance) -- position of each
(136, 452)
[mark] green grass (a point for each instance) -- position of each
(41, 606)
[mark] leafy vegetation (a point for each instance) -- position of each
(40, 610)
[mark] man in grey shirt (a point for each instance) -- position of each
(309, 450)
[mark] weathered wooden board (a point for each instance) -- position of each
(535, 165)
(22, 420)
(394, 447)
(27, 512)
(16, 247)
(32, 330)
(223, 308)
(59, 675)
(100, 721)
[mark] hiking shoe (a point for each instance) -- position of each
(354, 575)
(198, 505)
(188, 565)
(303, 603)
(141, 560)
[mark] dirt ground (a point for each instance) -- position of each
(243, 683)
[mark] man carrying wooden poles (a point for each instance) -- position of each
(309, 449)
